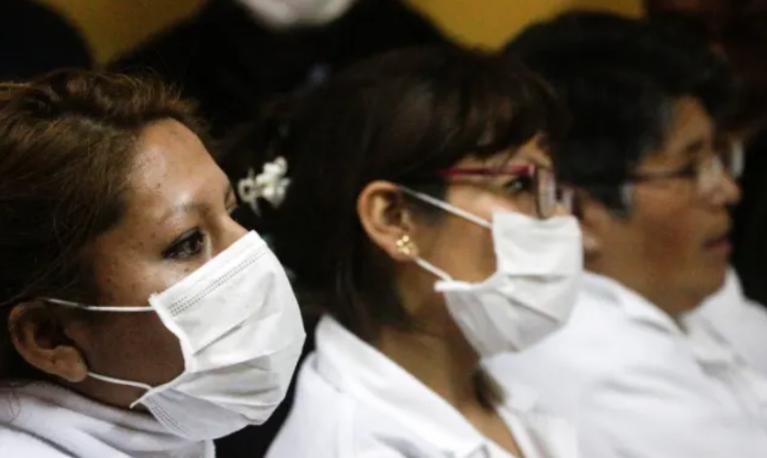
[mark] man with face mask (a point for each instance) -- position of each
(655, 184)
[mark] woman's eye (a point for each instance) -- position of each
(519, 184)
(186, 246)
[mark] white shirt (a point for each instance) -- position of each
(636, 386)
(43, 420)
(354, 402)
(740, 321)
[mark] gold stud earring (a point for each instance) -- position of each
(405, 245)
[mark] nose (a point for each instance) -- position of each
(729, 191)
(231, 232)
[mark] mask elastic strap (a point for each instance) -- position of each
(431, 268)
(97, 308)
(447, 207)
(119, 381)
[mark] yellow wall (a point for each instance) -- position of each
(492, 22)
(114, 26)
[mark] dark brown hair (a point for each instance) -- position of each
(66, 147)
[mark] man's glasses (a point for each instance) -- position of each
(708, 172)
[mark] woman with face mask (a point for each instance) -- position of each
(414, 199)
(138, 318)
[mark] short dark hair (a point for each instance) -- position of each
(402, 117)
(619, 78)
(67, 143)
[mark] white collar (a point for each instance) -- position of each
(357, 368)
(704, 341)
(83, 427)
(606, 289)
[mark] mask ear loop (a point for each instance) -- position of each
(447, 207)
(104, 308)
(97, 308)
(424, 264)
(431, 268)
(118, 381)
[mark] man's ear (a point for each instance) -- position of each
(594, 218)
(386, 219)
(39, 337)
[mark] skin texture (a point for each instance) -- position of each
(177, 217)
(434, 350)
(672, 248)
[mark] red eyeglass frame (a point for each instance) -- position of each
(522, 170)
(545, 209)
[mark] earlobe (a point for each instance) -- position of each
(407, 247)
(37, 336)
(590, 243)
(592, 220)
(386, 220)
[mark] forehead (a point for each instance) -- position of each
(172, 167)
(690, 131)
(533, 152)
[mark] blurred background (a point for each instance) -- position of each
(112, 28)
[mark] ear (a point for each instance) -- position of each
(39, 337)
(594, 219)
(386, 219)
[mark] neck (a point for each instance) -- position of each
(670, 300)
(444, 361)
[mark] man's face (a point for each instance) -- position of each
(673, 246)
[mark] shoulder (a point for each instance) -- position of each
(326, 422)
(316, 419)
(19, 443)
(598, 339)
(600, 345)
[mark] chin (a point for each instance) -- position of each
(711, 280)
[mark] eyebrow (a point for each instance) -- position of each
(539, 161)
(191, 207)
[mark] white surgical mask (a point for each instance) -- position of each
(533, 290)
(241, 334)
(281, 14)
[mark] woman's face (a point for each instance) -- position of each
(462, 248)
(177, 217)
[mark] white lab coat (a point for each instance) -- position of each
(42, 420)
(354, 402)
(740, 321)
(636, 386)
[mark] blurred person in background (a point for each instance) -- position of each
(655, 185)
(137, 317)
(738, 30)
(35, 39)
(413, 197)
(235, 54)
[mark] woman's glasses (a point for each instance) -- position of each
(550, 197)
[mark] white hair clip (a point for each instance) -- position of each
(270, 185)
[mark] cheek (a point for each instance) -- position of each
(463, 249)
(131, 280)
(466, 249)
(135, 346)
(670, 231)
